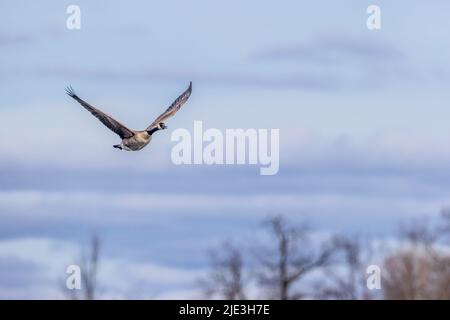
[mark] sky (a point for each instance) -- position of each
(363, 121)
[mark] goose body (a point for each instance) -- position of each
(133, 140)
(136, 142)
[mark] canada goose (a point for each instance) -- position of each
(134, 140)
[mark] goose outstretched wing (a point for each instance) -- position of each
(106, 119)
(174, 107)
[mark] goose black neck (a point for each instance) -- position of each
(153, 130)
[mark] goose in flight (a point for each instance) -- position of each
(133, 140)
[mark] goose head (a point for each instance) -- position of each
(162, 126)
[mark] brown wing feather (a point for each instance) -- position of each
(174, 107)
(106, 119)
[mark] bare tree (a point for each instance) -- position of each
(293, 257)
(444, 229)
(347, 277)
(413, 274)
(89, 263)
(421, 269)
(89, 267)
(419, 233)
(226, 278)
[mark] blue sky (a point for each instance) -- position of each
(363, 119)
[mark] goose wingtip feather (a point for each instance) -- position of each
(70, 91)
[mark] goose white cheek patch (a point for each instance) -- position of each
(234, 146)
